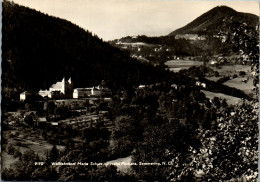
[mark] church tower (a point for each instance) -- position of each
(68, 88)
(63, 86)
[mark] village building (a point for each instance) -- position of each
(174, 86)
(55, 124)
(200, 84)
(203, 85)
(96, 91)
(42, 121)
(213, 62)
(24, 95)
(44, 93)
(202, 37)
(187, 36)
(142, 86)
(81, 92)
(93, 91)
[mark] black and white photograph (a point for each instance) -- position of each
(130, 90)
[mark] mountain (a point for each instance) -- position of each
(205, 43)
(213, 20)
(38, 50)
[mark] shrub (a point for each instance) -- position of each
(242, 73)
(10, 149)
(216, 74)
(224, 79)
(18, 143)
(17, 153)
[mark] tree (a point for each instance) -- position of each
(246, 40)
(106, 173)
(10, 148)
(54, 154)
(224, 103)
(125, 134)
(49, 107)
(23, 168)
(216, 102)
(45, 173)
(29, 120)
(27, 106)
(17, 153)
(164, 143)
(229, 150)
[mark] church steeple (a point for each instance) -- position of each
(63, 87)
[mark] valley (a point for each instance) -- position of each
(178, 107)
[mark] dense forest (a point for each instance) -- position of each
(38, 50)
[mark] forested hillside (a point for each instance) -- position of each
(38, 50)
(182, 47)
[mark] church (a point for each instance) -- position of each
(61, 89)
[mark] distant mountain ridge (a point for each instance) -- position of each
(213, 20)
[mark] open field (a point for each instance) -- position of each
(238, 84)
(213, 78)
(137, 44)
(229, 99)
(230, 70)
(177, 65)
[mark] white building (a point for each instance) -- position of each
(96, 91)
(142, 86)
(200, 84)
(24, 95)
(81, 92)
(174, 86)
(63, 88)
(44, 93)
(93, 91)
(213, 62)
(203, 85)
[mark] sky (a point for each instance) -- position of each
(113, 19)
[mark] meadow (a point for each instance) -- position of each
(230, 99)
(230, 70)
(235, 82)
(238, 84)
(177, 65)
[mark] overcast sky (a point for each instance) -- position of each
(111, 19)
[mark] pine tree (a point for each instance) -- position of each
(54, 154)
